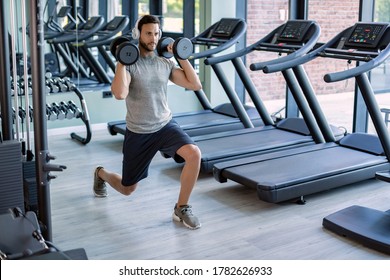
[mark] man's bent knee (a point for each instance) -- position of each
(128, 190)
(189, 153)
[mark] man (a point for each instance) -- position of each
(150, 127)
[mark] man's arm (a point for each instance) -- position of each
(120, 83)
(186, 76)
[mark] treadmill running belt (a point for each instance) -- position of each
(252, 141)
(292, 176)
(200, 119)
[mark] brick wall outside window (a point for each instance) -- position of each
(333, 16)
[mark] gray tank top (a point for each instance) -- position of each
(147, 101)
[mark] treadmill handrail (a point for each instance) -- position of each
(104, 36)
(239, 53)
(262, 43)
(297, 53)
(284, 65)
(241, 27)
(358, 70)
(83, 34)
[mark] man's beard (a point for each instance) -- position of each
(148, 47)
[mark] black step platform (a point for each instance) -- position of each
(367, 226)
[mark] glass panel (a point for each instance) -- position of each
(380, 77)
(382, 10)
(62, 20)
(197, 17)
(173, 16)
(94, 9)
(114, 8)
(143, 7)
(263, 17)
(336, 99)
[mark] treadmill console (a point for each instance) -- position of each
(115, 23)
(225, 28)
(91, 22)
(366, 35)
(64, 11)
(294, 31)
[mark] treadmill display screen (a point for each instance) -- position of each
(366, 35)
(294, 31)
(91, 23)
(225, 27)
(115, 23)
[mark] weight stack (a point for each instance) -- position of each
(11, 176)
(30, 186)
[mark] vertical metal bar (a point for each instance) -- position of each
(234, 100)
(374, 111)
(241, 12)
(40, 125)
(298, 9)
(360, 114)
(25, 75)
(14, 68)
(251, 89)
(303, 106)
(189, 18)
(315, 107)
(5, 84)
(130, 8)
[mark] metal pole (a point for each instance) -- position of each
(251, 89)
(39, 103)
(14, 69)
(374, 111)
(297, 93)
(5, 85)
(234, 100)
(26, 83)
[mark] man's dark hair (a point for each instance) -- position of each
(148, 19)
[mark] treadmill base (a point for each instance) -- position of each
(367, 226)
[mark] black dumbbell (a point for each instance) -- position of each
(182, 47)
(124, 51)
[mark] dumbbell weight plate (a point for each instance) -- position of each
(127, 53)
(116, 42)
(162, 47)
(183, 48)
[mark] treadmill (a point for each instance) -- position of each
(100, 39)
(294, 38)
(104, 37)
(81, 32)
(229, 116)
(367, 226)
(291, 174)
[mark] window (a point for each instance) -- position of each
(340, 93)
(380, 77)
(173, 16)
(143, 7)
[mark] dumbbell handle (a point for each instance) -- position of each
(182, 48)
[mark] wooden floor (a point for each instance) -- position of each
(235, 224)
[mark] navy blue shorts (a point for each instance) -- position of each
(140, 149)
